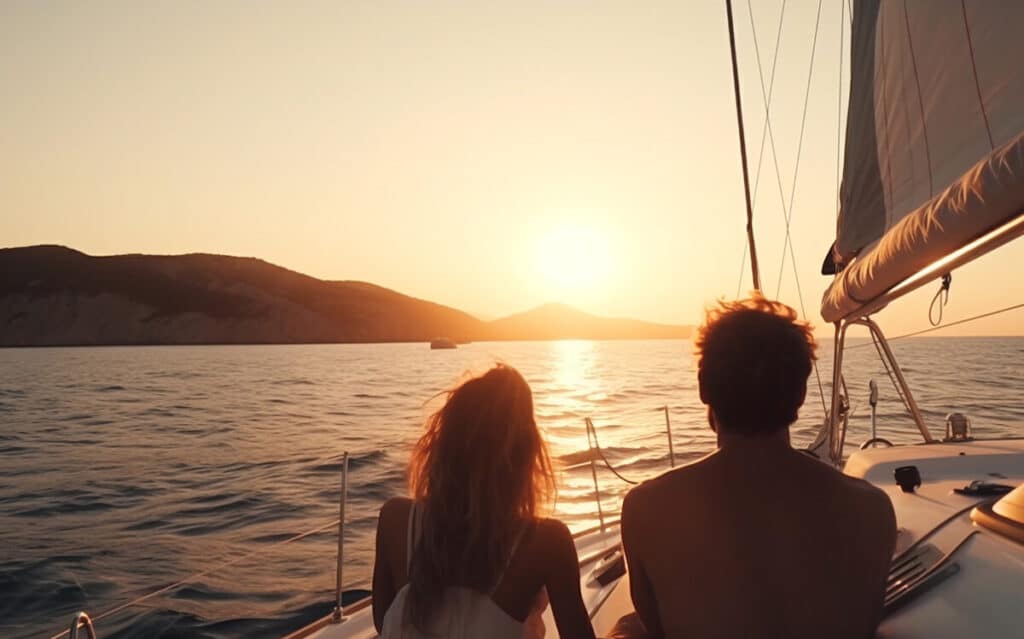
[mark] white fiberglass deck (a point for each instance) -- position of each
(981, 596)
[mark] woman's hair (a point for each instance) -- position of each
(480, 469)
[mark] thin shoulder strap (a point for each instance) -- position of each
(410, 538)
(511, 553)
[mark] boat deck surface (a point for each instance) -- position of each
(981, 596)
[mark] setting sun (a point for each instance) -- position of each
(573, 261)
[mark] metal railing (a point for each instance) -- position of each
(81, 620)
(594, 452)
(838, 413)
(340, 612)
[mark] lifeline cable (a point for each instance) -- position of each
(203, 573)
(951, 324)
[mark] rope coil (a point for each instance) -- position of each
(941, 294)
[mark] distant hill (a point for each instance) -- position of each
(52, 295)
(558, 321)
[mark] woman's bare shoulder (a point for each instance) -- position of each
(394, 511)
(552, 532)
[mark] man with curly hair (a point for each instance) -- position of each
(756, 539)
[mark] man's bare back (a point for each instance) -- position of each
(758, 540)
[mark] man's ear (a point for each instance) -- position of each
(700, 387)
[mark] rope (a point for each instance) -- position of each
(597, 447)
(203, 573)
(943, 288)
(950, 325)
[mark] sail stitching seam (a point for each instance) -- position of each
(920, 101)
(977, 83)
(839, 111)
(885, 118)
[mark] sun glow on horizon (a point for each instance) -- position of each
(574, 262)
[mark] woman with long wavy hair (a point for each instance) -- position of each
(469, 555)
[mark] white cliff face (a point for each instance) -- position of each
(66, 319)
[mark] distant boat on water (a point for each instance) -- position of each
(441, 342)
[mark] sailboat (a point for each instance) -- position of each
(933, 178)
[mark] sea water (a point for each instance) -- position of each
(123, 470)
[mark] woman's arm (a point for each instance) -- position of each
(563, 583)
(383, 582)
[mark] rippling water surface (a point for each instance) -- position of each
(123, 470)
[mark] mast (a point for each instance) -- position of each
(755, 271)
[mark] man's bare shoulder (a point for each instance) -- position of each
(853, 491)
(869, 497)
(666, 485)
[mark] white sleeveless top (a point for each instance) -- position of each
(462, 614)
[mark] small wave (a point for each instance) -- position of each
(199, 591)
(354, 462)
(66, 508)
(157, 411)
(297, 382)
(230, 503)
(369, 396)
(146, 524)
(76, 417)
(243, 466)
(278, 513)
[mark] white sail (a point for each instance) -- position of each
(934, 139)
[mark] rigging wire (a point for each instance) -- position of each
(767, 124)
(787, 210)
(889, 373)
(796, 167)
(743, 148)
(950, 325)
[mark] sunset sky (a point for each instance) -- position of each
(487, 156)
